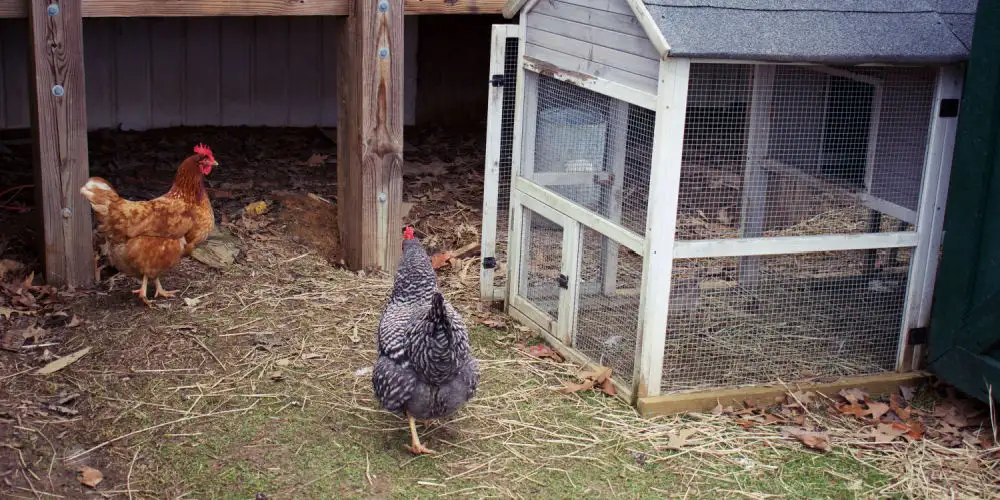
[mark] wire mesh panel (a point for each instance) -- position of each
(607, 318)
(800, 150)
(541, 262)
(592, 149)
(811, 315)
(506, 155)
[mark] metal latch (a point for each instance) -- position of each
(917, 336)
(497, 80)
(489, 262)
(563, 281)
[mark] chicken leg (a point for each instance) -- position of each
(141, 292)
(415, 447)
(161, 292)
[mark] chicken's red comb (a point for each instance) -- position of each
(203, 150)
(408, 233)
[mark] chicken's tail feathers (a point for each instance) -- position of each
(100, 194)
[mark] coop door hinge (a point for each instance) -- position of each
(489, 262)
(563, 281)
(917, 336)
(497, 80)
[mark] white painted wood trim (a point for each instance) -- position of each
(591, 82)
(755, 176)
(614, 197)
(850, 75)
(491, 176)
(511, 7)
(784, 245)
(931, 208)
(570, 267)
(527, 7)
(536, 315)
(661, 224)
(590, 219)
(650, 27)
(569, 178)
(710, 60)
(514, 238)
(889, 208)
(516, 218)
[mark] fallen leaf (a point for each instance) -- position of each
(907, 392)
(878, 410)
(717, 410)
(493, 323)
(256, 208)
(276, 375)
(439, 259)
(772, 419)
(75, 322)
(541, 351)
(916, 430)
(608, 387)
(314, 161)
(852, 409)
(571, 387)
(679, 440)
(898, 406)
(191, 302)
(89, 476)
(744, 423)
(815, 440)
(62, 362)
(853, 396)
(9, 266)
(887, 433)
(598, 376)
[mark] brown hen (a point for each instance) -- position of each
(145, 239)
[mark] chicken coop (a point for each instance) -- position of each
(709, 196)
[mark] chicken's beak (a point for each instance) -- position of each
(215, 163)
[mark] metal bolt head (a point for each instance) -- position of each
(383, 5)
(67, 212)
(383, 52)
(382, 198)
(52, 9)
(58, 90)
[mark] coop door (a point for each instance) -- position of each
(499, 147)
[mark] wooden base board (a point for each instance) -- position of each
(669, 404)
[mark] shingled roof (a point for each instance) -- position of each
(826, 31)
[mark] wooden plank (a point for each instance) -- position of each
(616, 6)
(3, 114)
(59, 129)
(635, 45)
(569, 267)
(329, 97)
(410, 40)
(671, 404)
(491, 172)
(755, 177)
(620, 23)
(269, 103)
(236, 70)
(661, 224)
(213, 8)
(99, 61)
(604, 56)
(15, 70)
(781, 245)
(167, 70)
(202, 99)
(649, 27)
(634, 88)
(305, 66)
(132, 82)
(613, 198)
(370, 138)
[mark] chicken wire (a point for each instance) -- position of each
(607, 316)
(541, 262)
(793, 150)
(506, 158)
(594, 150)
(813, 315)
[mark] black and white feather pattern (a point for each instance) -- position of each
(424, 366)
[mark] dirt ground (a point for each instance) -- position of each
(255, 380)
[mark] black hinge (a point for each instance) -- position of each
(497, 80)
(563, 281)
(489, 262)
(917, 336)
(949, 108)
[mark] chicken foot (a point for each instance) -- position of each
(141, 292)
(161, 292)
(415, 447)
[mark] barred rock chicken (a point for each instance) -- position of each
(425, 368)
(145, 239)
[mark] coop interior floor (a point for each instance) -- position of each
(254, 379)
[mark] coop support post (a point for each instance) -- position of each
(661, 224)
(930, 216)
(755, 177)
(59, 130)
(491, 176)
(370, 134)
(613, 196)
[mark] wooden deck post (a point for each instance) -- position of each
(370, 135)
(59, 128)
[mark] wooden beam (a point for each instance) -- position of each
(59, 128)
(209, 8)
(370, 135)
(670, 404)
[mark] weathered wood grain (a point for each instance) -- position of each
(206, 8)
(370, 138)
(59, 125)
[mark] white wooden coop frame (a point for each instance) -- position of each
(532, 194)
